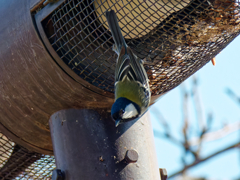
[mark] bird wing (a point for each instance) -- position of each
(137, 68)
(130, 66)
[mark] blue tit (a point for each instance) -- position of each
(132, 92)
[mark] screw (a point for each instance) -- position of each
(57, 174)
(163, 173)
(131, 156)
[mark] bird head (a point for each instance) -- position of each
(124, 110)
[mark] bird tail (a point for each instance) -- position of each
(115, 30)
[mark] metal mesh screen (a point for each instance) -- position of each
(16, 162)
(175, 38)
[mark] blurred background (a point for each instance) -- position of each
(197, 124)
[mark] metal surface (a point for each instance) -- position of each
(87, 145)
(32, 85)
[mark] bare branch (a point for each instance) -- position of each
(162, 120)
(205, 159)
(233, 95)
(204, 125)
(211, 136)
(197, 103)
(169, 137)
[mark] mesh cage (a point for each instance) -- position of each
(16, 162)
(174, 38)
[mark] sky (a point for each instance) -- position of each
(213, 84)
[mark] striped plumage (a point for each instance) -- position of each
(132, 93)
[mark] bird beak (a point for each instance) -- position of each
(117, 122)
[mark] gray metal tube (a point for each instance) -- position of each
(88, 146)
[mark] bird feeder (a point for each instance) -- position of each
(57, 64)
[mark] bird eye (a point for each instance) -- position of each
(121, 112)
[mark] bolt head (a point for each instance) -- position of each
(131, 156)
(57, 174)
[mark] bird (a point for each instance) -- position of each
(132, 91)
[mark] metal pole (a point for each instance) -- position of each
(88, 146)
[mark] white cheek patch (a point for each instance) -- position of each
(130, 112)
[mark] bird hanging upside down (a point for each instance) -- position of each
(132, 92)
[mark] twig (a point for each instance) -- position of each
(197, 104)
(205, 159)
(169, 137)
(233, 95)
(211, 136)
(199, 111)
(162, 120)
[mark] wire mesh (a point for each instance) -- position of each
(174, 38)
(16, 162)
